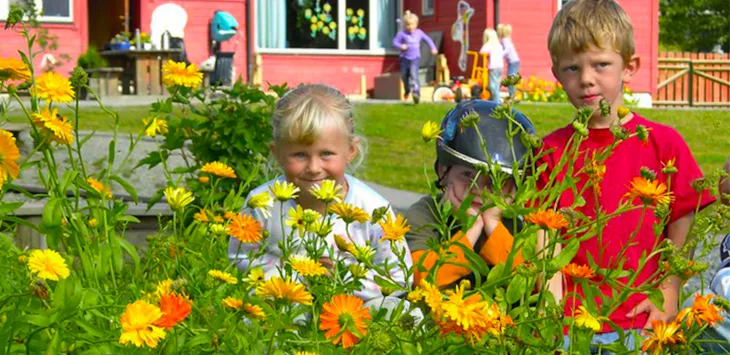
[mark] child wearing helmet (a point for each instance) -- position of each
(459, 154)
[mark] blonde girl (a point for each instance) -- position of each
(492, 47)
(504, 31)
(314, 140)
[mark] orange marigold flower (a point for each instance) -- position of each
(662, 336)
(547, 219)
(99, 187)
(219, 169)
(394, 230)
(649, 191)
(578, 271)
(595, 171)
(175, 309)
(232, 303)
(289, 290)
(9, 155)
(702, 312)
(13, 69)
(254, 310)
(342, 315)
(245, 228)
(138, 325)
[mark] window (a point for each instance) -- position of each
(561, 3)
(323, 26)
(427, 7)
(50, 10)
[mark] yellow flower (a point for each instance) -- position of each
(176, 73)
(48, 265)
(360, 12)
(327, 7)
(99, 187)
(217, 229)
(649, 191)
(219, 169)
(178, 197)
(669, 167)
(547, 219)
(321, 227)
(430, 131)
(343, 315)
(333, 25)
(55, 88)
(662, 336)
(93, 222)
(13, 69)
(245, 228)
(349, 12)
(232, 303)
(254, 310)
(54, 126)
(363, 31)
(285, 290)
(263, 202)
(255, 276)
(623, 111)
(327, 191)
(595, 171)
(349, 213)
(296, 219)
(138, 325)
(702, 312)
(305, 266)
(204, 179)
(223, 276)
(9, 155)
(154, 126)
(325, 30)
(284, 190)
(164, 288)
(584, 319)
(343, 245)
(396, 230)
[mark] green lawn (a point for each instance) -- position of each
(397, 155)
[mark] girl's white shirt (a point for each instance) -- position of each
(358, 195)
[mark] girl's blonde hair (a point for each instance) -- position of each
(302, 114)
(409, 17)
(504, 30)
(490, 37)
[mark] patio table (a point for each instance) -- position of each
(142, 66)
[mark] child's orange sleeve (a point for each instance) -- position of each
(495, 250)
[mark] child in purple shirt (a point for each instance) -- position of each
(409, 42)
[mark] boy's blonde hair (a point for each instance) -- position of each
(302, 114)
(409, 17)
(490, 37)
(504, 30)
(582, 23)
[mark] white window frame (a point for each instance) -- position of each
(560, 4)
(5, 9)
(341, 35)
(426, 11)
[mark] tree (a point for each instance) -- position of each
(695, 25)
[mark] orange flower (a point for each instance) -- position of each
(595, 171)
(254, 310)
(662, 336)
(245, 228)
(702, 312)
(342, 316)
(232, 303)
(649, 191)
(578, 271)
(175, 309)
(547, 219)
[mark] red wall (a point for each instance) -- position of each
(72, 39)
(342, 72)
(200, 12)
(531, 20)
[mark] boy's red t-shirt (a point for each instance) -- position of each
(664, 143)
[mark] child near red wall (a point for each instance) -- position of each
(408, 42)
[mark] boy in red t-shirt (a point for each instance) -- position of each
(591, 44)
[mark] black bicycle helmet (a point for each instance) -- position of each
(462, 146)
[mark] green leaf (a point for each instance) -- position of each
(117, 260)
(126, 186)
(566, 255)
(52, 212)
(155, 198)
(128, 218)
(9, 207)
(131, 251)
(657, 298)
(477, 264)
(35, 319)
(516, 289)
(68, 178)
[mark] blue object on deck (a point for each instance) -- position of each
(223, 26)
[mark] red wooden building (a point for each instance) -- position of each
(330, 41)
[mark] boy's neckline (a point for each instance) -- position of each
(622, 122)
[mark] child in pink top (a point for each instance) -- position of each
(504, 32)
(492, 47)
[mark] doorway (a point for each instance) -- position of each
(110, 17)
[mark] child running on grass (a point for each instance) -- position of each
(591, 43)
(314, 141)
(408, 42)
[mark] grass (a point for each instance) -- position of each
(399, 158)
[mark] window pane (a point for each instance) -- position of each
(311, 24)
(57, 8)
(357, 21)
(387, 25)
(271, 23)
(428, 6)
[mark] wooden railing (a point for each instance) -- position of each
(693, 79)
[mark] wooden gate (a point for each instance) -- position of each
(693, 79)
